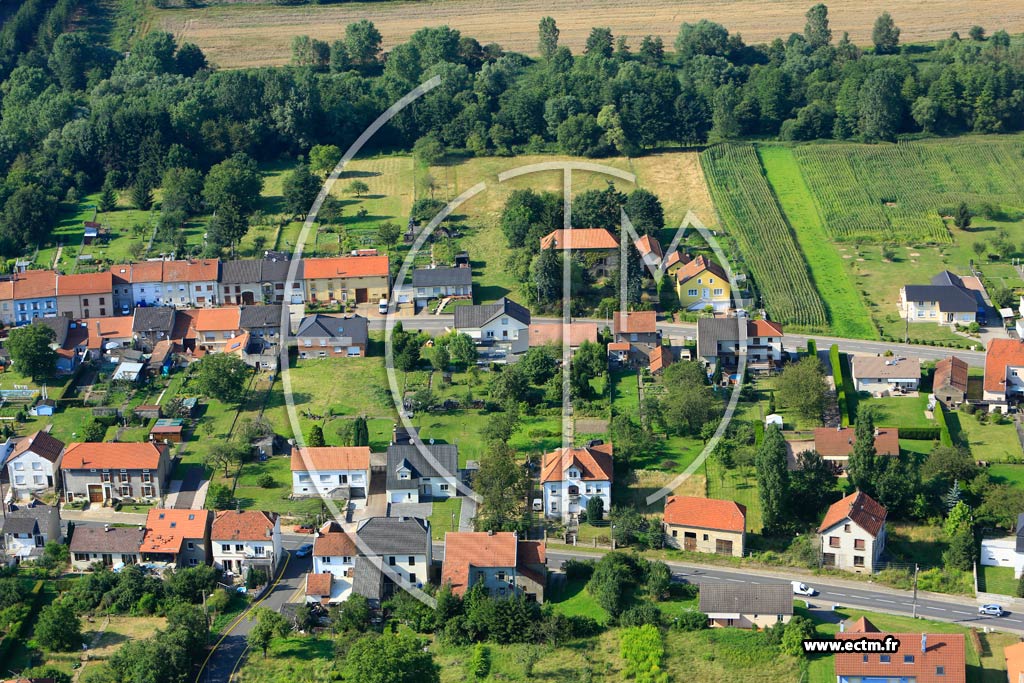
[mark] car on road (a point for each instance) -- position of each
(991, 610)
(303, 550)
(802, 589)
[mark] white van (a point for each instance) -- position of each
(382, 306)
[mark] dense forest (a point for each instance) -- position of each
(76, 115)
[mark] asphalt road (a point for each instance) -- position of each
(437, 324)
(959, 610)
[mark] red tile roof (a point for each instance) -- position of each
(40, 443)
(166, 530)
(594, 463)
(314, 458)
(648, 245)
(111, 456)
(35, 284)
(541, 334)
(858, 507)
(1014, 662)
(103, 330)
(639, 322)
(618, 346)
(660, 358)
(838, 443)
(345, 266)
(930, 654)
(581, 239)
(952, 372)
(1000, 354)
(191, 271)
(143, 271)
(243, 525)
(763, 328)
(697, 266)
(465, 550)
(334, 542)
(705, 513)
(220, 319)
(85, 283)
(319, 585)
(6, 290)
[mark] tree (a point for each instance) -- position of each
(547, 275)
(579, 135)
(810, 486)
(389, 233)
(31, 351)
(797, 631)
(108, 196)
(58, 628)
(880, 106)
(885, 34)
(962, 551)
(480, 661)
(976, 33)
(362, 42)
(772, 480)
(502, 485)
(234, 182)
(652, 50)
(227, 226)
(351, 615)
(864, 467)
(45, 672)
(390, 659)
(93, 431)
(358, 188)
(962, 217)
(659, 579)
(429, 150)
(703, 38)
(595, 509)
(688, 403)
(645, 211)
(316, 437)
(269, 625)
(360, 432)
(141, 196)
(221, 376)
(191, 584)
(300, 188)
(959, 515)
(323, 158)
(181, 190)
(925, 111)
(226, 454)
(948, 464)
(599, 42)
(548, 41)
(189, 60)
(802, 387)
(816, 30)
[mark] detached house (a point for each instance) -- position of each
(111, 546)
(835, 444)
(340, 472)
(504, 324)
(332, 336)
(347, 279)
(921, 658)
(100, 472)
(705, 525)
(949, 383)
(180, 538)
(1004, 373)
(881, 375)
(598, 248)
(415, 476)
(853, 533)
(741, 605)
(701, 283)
(570, 477)
(440, 282)
(948, 300)
(245, 539)
(499, 560)
(28, 528)
(33, 464)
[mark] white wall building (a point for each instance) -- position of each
(331, 471)
(33, 464)
(505, 325)
(853, 533)
(413, 477)
(571, 477)
(241, 539)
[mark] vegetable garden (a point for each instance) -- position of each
(749, 211)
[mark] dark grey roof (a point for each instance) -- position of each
(276, 270)
(395, 535)
(1020, 533)
(251, 317)
(473, 317)
(367, 580)
(93, 539)
(153, 319)
(33, 519)
(59, 325)
(445, 454)
(442, 277)
(710, 331)
(734, 598)
(239, 272)
(320, 325)
(948, 279)
(950, 297)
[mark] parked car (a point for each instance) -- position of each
(802, 589)
(991, 610)
(303, 550)
(304, 529)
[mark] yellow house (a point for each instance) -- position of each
(353, 279)
(701, 283)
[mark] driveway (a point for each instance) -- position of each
(422, 510)
(186, 494)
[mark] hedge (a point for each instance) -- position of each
(921, 433)
(837, 377)
(812, 347)
(17, 631)
(940, 418)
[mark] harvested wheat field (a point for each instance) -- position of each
(244, 34)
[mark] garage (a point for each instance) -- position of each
(95, 493)
(362, 295)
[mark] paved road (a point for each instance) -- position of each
(189, 487)
(438, 324)
(839, 592)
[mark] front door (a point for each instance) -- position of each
(706, 293)
(95, 493)
(689, 541)
(723, 547)
(107, 559)
(362, 296)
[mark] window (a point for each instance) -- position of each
(858, 544)
(19, 466)
(412, 578)
(81, 557)
(192, 562)
(37, 465)
(443, 487)
(691, 292)
(146, 476)
(346, 559)
(191, 546)
(719, 291)
(675, 533)
(833, 541)
(884, 659)
(500, 576)
(326, 560)
(239, 547)
(940, 671)
(126, 490)
(391, 561)
(412, 559)
(705, 537)
(858, 560)
(908, 659)
(259, 550)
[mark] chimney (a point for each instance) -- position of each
(842, 627)
(877, 432)
(490, 532)
(106, 528)
(924, 642)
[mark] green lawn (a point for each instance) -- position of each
(573, 599)
(738, 484)
(441, 516)
(251, 496)
(900, 411)
(847, 314)
(997, 580)
(991, 442)
(625, 397)
(1007, 474)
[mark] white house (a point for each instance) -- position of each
(244, 539)
(334, 554)
(404, 546)
(109, 545)
(436, 283)
(506, 565)
(421, 473)
(341, 472)
(884, 375)
(1004, 372)
(853, 533)
(33, 464)
(504, 324)
(572, 476)
(27, 530)
(1005, 552)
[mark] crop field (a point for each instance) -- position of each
(899, 192)
(751, 214)
(247, 34)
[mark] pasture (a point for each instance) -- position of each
(750, 213)
(249, 34)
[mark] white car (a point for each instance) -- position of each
(991, 610)
(802, 589)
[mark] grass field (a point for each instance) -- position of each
(244, 34)
(1007, 474)
(991, 442)
(441, 517)
(846, 312)
(997, 580)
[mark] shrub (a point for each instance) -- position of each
(480, 664)
(691, 620)
(644, 613)
(266, 481)
(578, 569)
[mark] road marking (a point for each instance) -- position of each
(1016, 621)
(955, 611)
(726, 578)
(937, 609)
(842, 595)
(891, 602)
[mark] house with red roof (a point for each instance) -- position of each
(853, 533)
(214, 328)
(705, 525)
(84, 295)
(835, 444)
(499, 560)
(949, 383)
(570, 477)
(341, 472)
(102, 472)
(599, 247)
(920, 657)
(701, 283)
(347, 279)
(1004, 373)
(35, 295)
(33, 464)
(244, 539)
(179, 538)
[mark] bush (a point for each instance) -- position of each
(266, 481)
(578, 569)
(644, 613)
(691, 620)
(921, 433)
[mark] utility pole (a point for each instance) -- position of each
(916, 568)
